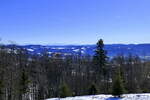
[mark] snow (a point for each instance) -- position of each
(31, 50)
(39, 53)
(82, 52)
(67, 54)
(76, 50)
(49, 52)
(59, 48)
(108, 97)
(83, 48)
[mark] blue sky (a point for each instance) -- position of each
(74, 21)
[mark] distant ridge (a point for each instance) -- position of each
(141, 50)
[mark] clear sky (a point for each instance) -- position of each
(74, 21)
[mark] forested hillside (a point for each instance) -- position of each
(36, 77)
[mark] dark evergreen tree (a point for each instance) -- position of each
(118, 87)
(64, 91)
(1, 89)
(100, 61)
(23, 84)
(93, 90)
(100, 57)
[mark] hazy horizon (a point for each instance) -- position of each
(65, 44)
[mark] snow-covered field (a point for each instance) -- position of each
(108, 97)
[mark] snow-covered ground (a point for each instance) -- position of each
(108, 97)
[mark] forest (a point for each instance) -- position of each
(37, 77)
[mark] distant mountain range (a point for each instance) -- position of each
(142, 50)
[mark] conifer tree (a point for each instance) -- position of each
(93, 90)
(1, 89)
(100, 61)
(23, 84)
(64, 91)
(118, 87)
(100, 57)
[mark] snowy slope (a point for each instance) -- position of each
(108, 97)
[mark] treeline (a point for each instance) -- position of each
(37, 77)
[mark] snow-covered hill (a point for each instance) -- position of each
(142, 50)
(107, 97)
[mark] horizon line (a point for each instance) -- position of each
(61, 44)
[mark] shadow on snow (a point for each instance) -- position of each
(113, 98)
